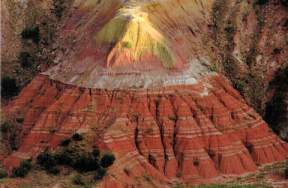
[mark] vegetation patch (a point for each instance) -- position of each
(23, 169)
(261, 2)
(9, 87)
(78, 158)
(25, 59)
(3, 173)
(32, 33)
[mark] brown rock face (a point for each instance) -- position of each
(186, 133)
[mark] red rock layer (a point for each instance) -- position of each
(181, 133)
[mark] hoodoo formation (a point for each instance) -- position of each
(136, 76)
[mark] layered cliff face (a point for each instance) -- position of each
(137, 78)
(184, 133)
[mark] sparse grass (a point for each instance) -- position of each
(213, 68)
(126, 44)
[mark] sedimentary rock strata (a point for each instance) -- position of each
(169, 133)
(135, 79)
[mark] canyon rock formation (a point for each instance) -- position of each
(137, 77)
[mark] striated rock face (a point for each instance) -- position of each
(184, 133)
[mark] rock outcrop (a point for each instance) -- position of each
(185, 133)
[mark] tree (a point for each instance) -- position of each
(77, 137)
(25, 59)
(3, 173)
(32, 33)
(100, 173)
(261, 2)
(9, 87)
(107, 160)
(23, 169)
(285, 2)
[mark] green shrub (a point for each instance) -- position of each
(240, 85)
(9, 131)
(96, 152)
(3, 173)
(59, 7)
(47, 161)
(285, 3)
(65, 157)
(25, 59)
(20, 119)
(107, 160)
(286, 173)
(5, 126)
(77, 180)
(77, 137)
(23, 169)
(85, 163)
(100, 173)
(196, 162)
(173, 118)
(213, 68)
(9, 87)
(65, 142)
(126, 44)
(261, 2)
(230, 29)
(53, 170)
(32, 33)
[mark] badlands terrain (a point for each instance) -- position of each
(144, 93)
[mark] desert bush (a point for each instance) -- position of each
(85, 163)
(96, 152)
(32, 33)
(9, 131)
(25, 59)
(127, 44)
(5, 126)
(47, 161)
(78, 180)
(3, 173)
(9, 87)
(196, 162)
(23, 169)
(100, 173)
(230, 29)
(20, 119)
(64, 157)
(65, 142)
(285, 3)
(107, 160)
(261, 2)
(77, 137)
(286, 172)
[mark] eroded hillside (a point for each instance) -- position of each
(148, 80)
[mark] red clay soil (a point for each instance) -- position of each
(168, 134)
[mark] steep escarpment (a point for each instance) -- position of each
(253, 35)
(27, 39)
(186, 133)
